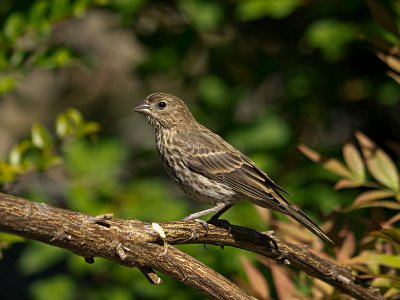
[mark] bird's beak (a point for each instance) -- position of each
(142, 108)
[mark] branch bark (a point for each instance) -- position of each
(147, 246)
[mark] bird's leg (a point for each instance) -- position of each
(224, 208)
(215, 217)
(220, 208)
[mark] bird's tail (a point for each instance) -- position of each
(305, 220)
(282, 205)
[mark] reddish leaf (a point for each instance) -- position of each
(347, 183)
(283, 284)
(311, 154)
(331, 164)
(256, 279)
(346, 251)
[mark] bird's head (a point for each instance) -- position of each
(164, 110)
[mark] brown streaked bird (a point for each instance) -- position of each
(208, 168)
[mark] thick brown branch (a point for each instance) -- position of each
(137, 244)
(129, 242)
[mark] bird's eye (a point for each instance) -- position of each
(162, 105)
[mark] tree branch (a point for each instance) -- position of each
(147, 246)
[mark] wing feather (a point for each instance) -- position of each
(226, 165)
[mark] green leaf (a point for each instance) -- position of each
(62, 125)
(205, 15)
(58, 9)
(389, 234)
(17, 152)
(256, 9)
(354, 161)
(39, 257)
(14, 26)
(41, 137)
(10, 238)
(331, 37)
(90, 128)
(38, 14)
(60, 287)
(369, 258)
(75, 116)
(379, 163)
(7, 83)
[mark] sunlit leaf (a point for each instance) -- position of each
(371, 196)
(10, 238)
(389, 234)
(75, 115)
(393, 220)
(91, 127)
(255, 9)
(61, 125)
(379, 163)
(369, 258)
(392, 61)
(256, 279)
(354, 161)
(385, 204)
(41, 137)
(7, 83)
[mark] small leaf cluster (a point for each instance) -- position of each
(374, 173)
(41, 150)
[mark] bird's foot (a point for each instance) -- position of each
(200, 221)
(221, 223)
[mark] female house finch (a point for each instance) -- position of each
(209, 169)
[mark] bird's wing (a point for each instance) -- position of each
(209, 155)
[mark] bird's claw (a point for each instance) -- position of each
(200, 221)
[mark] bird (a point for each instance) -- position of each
(209, 169)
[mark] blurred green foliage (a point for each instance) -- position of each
(264, 74)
